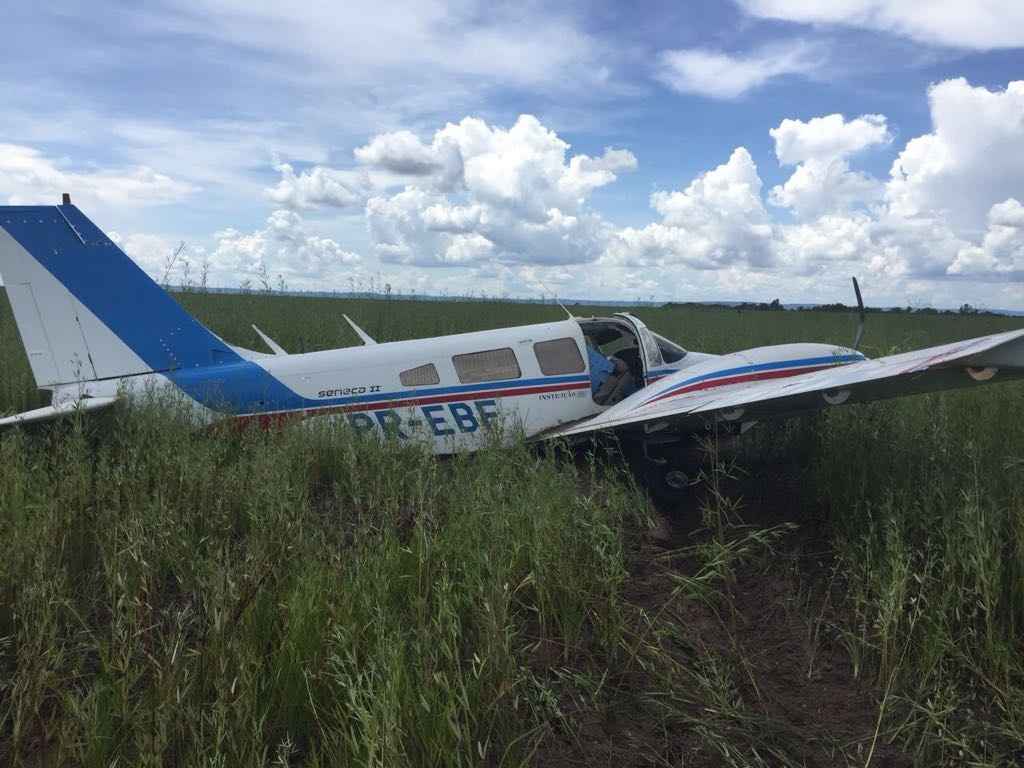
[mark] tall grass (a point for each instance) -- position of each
(926, 502)
(307, 598)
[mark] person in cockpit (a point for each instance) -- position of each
(610, 379)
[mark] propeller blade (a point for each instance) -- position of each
(860, 325)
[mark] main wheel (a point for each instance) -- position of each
(672, 481)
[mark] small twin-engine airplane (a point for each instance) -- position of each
(97, 330)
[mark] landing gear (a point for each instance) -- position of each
(672, 482)
(676, 479)
(674, 466)
(670, 470)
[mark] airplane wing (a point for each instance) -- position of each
(683, 400)
(51, 412)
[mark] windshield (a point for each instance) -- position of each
(651, 348)
(670, 351)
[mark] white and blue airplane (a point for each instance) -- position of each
(98, 330)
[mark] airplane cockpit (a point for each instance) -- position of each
(624, 355)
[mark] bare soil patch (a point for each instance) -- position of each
(792, 696)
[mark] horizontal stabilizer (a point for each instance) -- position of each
(51, 412)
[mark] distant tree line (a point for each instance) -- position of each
(776, 306)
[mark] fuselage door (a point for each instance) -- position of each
(650, 354)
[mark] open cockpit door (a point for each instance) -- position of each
(651, 359)
(623, 354)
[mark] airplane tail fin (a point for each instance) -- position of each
(87, 312)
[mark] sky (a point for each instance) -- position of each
(700, 151)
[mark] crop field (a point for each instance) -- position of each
(844, 589)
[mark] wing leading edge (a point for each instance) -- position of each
(679, 400)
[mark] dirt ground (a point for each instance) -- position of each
(771, 625)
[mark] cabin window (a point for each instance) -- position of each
(419, 376)
(559, 356)
(492, 365)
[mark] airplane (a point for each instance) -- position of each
(97, 330)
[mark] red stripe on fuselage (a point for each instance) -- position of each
(267, 420)
(456, 397)
(711, 383)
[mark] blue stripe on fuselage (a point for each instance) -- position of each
(754, 368)
(242, 390)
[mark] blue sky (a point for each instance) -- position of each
(699, 151)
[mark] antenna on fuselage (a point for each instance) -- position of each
(363, 335)
(558, 301)
(276, 348)
(860, 324)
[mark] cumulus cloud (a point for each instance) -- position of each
(828, 137)
(902, 231)
(522, 167)
(151, 252)
(519, 198)
(283, 247)
(818, 187)
(401, 152)
(721, 75)
(508, 210)
(719, 219)
(947, 207)
(417, 226)
(823, 181)
(971, 160)
(27, 176)
(586, 173)
(318, 186)
(831, 243)
(981, 24)
(1002, 250)
(510, 207)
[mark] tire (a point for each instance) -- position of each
(672, 482)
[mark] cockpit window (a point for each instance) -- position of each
(670, 351)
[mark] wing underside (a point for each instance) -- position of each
(676, 402)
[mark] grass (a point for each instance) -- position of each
(171, 597)
(308, 598)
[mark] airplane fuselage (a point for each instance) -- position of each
(454, 393)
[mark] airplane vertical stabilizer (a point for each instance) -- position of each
(85, 311)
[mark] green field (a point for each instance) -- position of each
(845, 589)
